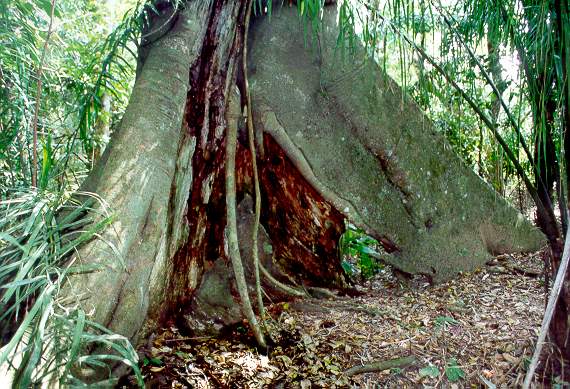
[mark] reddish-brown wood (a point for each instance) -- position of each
(304, 228)
(204, 121)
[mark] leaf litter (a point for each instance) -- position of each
(476, 330)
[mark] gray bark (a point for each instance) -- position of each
(372, 153)
(339, 141)
(145, 176)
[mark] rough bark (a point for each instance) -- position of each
(373, 154)
(163, 177)
(342, 146)
(159, 171)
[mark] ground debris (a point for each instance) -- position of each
(478, 329)
(397, 363)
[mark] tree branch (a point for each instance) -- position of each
(552, 299)
(381, 365)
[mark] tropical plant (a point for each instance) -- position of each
(445, 39)
(358, 253)
(437, 46)
(56, 73)
(60, 79)
(47, 334)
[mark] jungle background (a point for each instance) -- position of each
(492, 76)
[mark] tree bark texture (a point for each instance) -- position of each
(163, 177)
(161, 174)
(373, 154)
(337, 141)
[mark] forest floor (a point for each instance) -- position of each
(476, 330)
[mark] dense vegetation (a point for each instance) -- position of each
(492, 75)
(66, 69)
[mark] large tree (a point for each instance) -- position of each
(335, 140)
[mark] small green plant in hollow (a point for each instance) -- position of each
(358, 254)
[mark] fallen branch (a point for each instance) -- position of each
(381, 365)
(554, 293)
(514, 269)
(525, 272)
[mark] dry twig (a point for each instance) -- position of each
(381, 365)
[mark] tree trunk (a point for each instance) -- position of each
(559, 331)
(495, 70)
(336, 141)
(373, 154)
(161, 173)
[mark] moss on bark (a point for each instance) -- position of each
(376, 152)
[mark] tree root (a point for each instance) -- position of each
(232, 115)
(281, 286)
(381, 365)
(273, 127)
(251, 136)
(525, 272)
(514, 269)
(320, 293)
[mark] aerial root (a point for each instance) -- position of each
(281, 286)
(232, 114)
(232, 238)
(251, 136)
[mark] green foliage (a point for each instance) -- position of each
(82, 66)
(441, 321)
(310, 12)
(446, 56)
(89, 61)
(357, 251)
(49, 334)
(453, 372)
(450, 58)
(153, 361)
(429, 371)
(396, 371)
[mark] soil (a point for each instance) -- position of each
(478, 329)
